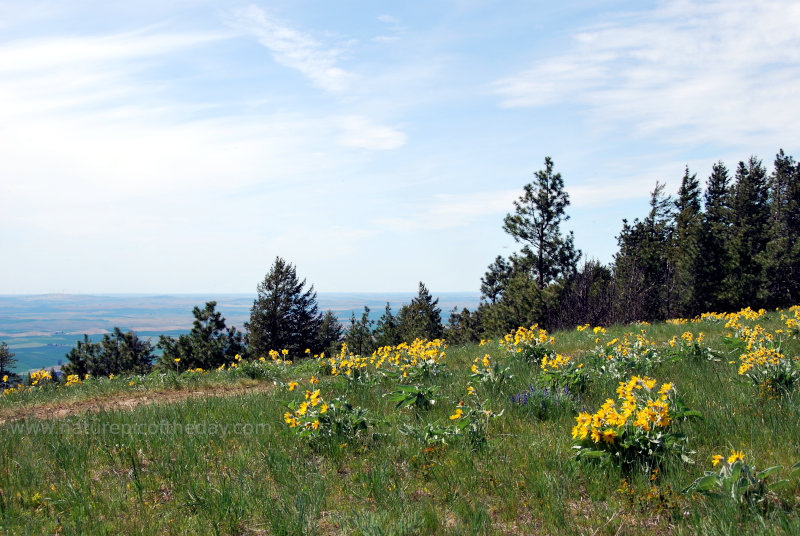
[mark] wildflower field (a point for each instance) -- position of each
(684, 427)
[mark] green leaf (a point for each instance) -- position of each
(767, 472)
(779, 484)
(705, 483)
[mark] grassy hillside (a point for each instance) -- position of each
(423, 439)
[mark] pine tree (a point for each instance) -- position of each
(536, 223)
(522, 304)
(209, 344)
(7, 364)
(713, 274)
(386, 330)
(283, 316)
(359, 337)
(494, 280)
(686, 256)
(421, 318)
(330, 333)
(642, 268)
(750, 219)
(463, 326)
(780, 261)
(116, 353)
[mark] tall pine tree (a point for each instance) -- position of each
(686, 256)
(536, 223)
(750, 219)
(780, 260)
(284, 315)
(422, 318)
(713, 274)
(642, 267)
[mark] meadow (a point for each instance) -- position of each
(683, 427)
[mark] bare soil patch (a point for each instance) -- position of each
(128, 401)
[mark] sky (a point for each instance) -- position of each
(180, 146)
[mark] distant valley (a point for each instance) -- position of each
(41, 329)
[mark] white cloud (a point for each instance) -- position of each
(388, 19)
(295, 49)
(360, 133)
(447, 211)
(693, 72)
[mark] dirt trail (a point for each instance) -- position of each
(127, 401)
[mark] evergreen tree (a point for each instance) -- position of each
(750, 218)
(463, 326)
(330, 333)
(780, 261)
(642, 268)
(421, 318)
(495, 279)
(536, 223)
(386, 330)
(686, 257)
(713, 273)
(359, 338)
(209, 344)
(283, 316)
(81, 357)
(116, 353)
(522, 304)
(7, 364)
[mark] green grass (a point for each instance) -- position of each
(83, 475)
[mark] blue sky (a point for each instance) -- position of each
(180, 146)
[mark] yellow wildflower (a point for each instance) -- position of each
(736, 455)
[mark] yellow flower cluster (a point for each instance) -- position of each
(734, 319)
(637, 347)
(281, 358)
(401, 358)
(714, 317)
(485, 361)
(792, 322)
(687, 338)
(639, 409)
(762, 355)
(237, 360)
(73, 379)
(550, 363)
(40, 376)
(306, 415)
(10, 390)
(736, 455)
(534, 336)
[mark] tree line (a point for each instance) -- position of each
(735, 243)
(284, 316)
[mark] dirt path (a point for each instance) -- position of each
(127, 401)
